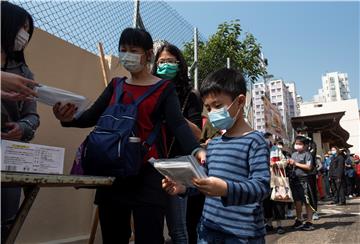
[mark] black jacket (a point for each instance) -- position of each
(337, 167)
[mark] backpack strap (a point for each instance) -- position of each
(118, 88)
(151, 90)
(154, 133)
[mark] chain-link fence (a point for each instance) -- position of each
(85, 23)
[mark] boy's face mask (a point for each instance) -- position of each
(21, 40)
(131, 61)
(221, 118)
(167, 70)
(298, 147)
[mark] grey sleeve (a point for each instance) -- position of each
(308, 159)
(29, 120)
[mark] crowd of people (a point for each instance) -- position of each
(233, 204)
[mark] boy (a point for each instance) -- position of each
(302, 163)
(237, 163)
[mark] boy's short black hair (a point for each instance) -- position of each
(279, 142)
(228, 81)
(302, 139)
(136, 37)
(267, 135)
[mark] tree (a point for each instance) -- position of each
(226, 43)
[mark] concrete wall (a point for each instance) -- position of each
(350, 121)
(62, 213)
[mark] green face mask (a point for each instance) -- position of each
(167, 70)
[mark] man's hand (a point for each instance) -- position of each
(172, 187)
(14, 96)
(12, 83)
(15, 132)
(211, 186)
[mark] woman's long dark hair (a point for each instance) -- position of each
(13, 18)
(181, 80)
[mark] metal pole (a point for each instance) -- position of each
(136, 13)
(196, 84)
(228, 63)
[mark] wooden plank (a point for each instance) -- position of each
(46, 180)
(104, 66)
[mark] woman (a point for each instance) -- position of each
(19, 118)
(170, 64)
(140, 195)
(337, 176)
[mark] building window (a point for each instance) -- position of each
(273, 97)
(272, 90)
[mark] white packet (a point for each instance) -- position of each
(51, 95)
(181, 169)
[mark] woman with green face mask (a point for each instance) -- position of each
(182, 214)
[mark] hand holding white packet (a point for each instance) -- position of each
(51, 95)
(181, 169)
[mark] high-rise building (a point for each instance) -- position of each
(335, 87)
(259, 90)
(292, 103)
(282, 95)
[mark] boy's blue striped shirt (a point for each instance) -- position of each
(243, 162)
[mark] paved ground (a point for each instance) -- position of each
(337, 224)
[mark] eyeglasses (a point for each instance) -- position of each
(167, 61)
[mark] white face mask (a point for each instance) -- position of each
(131, 61)
(279, 146)
(21, 40)
(298, 147)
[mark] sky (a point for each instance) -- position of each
(301, 40)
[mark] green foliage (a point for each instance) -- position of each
(226, 43)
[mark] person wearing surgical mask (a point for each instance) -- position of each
(141, 195)
(19, 119)
(183, 214)
(237, 163)
(337, 176)
(301, 184)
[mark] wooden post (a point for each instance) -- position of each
(104, 67)
(94, 226)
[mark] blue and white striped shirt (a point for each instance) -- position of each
(243, 162)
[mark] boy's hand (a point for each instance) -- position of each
(172, 187)
(291, 161)
(201, 156)
(211, 186)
